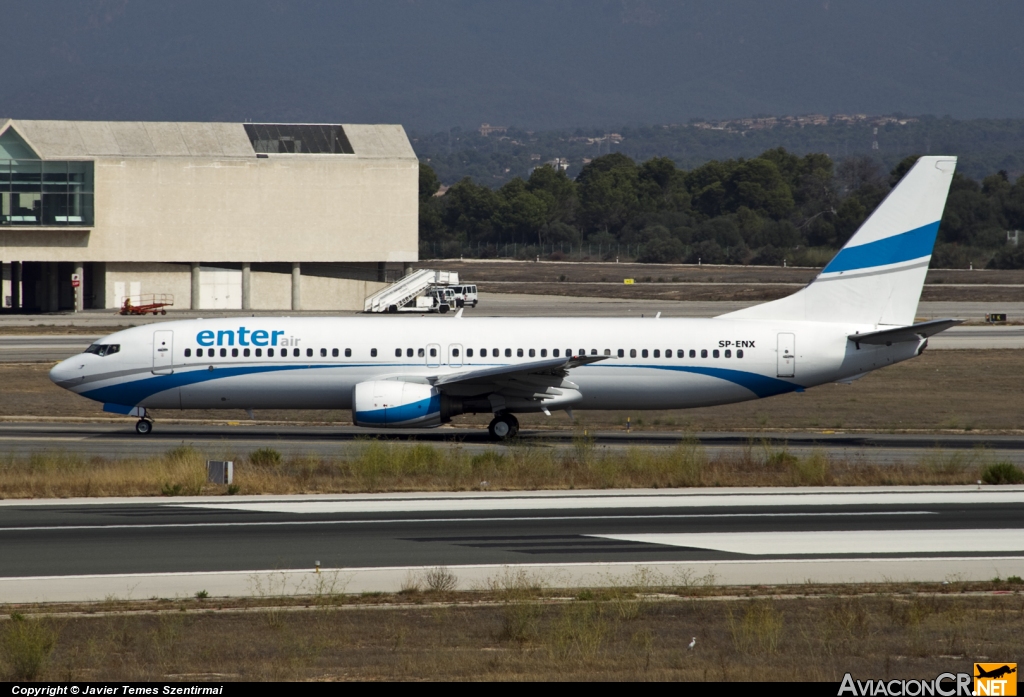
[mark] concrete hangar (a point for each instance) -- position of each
(219, 215)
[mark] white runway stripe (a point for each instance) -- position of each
(533, 503)
(376, 521)
(840, 542)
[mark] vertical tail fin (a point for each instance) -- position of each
(877, 277)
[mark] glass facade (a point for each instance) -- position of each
(46, 193)
(314, 138)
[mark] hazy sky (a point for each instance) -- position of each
(431, 64)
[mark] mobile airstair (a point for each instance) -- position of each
(407, 289)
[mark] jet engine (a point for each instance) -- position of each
(397, 404)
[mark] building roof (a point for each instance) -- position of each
(61, 140)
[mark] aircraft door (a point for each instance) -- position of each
(433, 355)
(163, 351)
(787, 355)
(455, 355)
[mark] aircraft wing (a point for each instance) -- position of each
(552, 367)
(914, 332)
(538, 381)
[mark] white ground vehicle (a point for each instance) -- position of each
(465, 296)
(442, 297)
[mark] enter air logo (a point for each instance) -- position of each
(245, 337)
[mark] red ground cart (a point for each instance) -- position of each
(150, 303)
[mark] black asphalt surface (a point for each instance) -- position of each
(120, 439)
(164, 536)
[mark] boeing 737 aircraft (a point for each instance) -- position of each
(404, 372)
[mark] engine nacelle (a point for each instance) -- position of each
(397, 404)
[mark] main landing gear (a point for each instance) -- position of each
(144, 426)
(503, 427)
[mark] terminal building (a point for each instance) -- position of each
(216, 215)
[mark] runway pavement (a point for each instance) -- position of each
(119, 440)
(91, 549)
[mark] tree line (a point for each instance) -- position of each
(763, 210)
(983, 145)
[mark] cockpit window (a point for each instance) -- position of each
(103, 349)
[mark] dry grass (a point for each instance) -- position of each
(377, 466)
(514, 632)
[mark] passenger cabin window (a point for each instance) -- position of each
(508, 353)
(643, 353)
(259, 353)
(334, 353)
(455, 352)
(188, 353)
(398, 353)
(532, 353)
(632, 353)
(323, 353)
(657, 353)
(373, 353)
(234, 353)
(680, 353)
(621, 353)
(408, 353)
(543, 353)
(433, 353)
(703, 353)
(739, 353)
(483, 353)
(245, 352)
(223, 353)
(469, 353)
(668, 353)
(270, 353)
(519, 353)
(728, 353)
(693, 353)
(348, 353)
(714, 353)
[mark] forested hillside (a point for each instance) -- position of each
(983, 146)
(764, 210)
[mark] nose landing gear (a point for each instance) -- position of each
(503, 427)
(143, 427)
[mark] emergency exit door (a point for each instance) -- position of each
(163, 351)
(787, 355)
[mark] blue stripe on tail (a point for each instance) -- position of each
(890, 250)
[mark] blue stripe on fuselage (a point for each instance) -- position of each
(906, 246)
(760, 385)
(136, 391)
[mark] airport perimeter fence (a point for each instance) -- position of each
(564, 251)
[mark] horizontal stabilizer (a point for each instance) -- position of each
(914, 332)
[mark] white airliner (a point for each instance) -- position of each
(406, 372)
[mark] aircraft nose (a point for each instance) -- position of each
(67, 372)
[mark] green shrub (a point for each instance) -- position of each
(1002, 473)
(26, 646)
(265, 457)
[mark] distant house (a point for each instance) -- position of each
(487, 129)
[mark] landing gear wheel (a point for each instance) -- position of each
(503, 427)
(143, 427)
